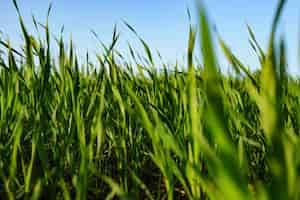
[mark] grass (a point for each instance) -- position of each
(115, 129)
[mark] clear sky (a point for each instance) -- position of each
(162, 23)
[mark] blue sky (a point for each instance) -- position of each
(162, 23)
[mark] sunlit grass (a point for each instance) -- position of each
(113, 129)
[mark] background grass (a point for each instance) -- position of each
(118, 129)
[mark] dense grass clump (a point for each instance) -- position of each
(128, 130)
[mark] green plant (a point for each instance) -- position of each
(115, 128)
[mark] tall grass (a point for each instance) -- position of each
(104, 130)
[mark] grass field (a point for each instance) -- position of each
(118, 129)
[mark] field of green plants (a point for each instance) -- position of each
(120, 129)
